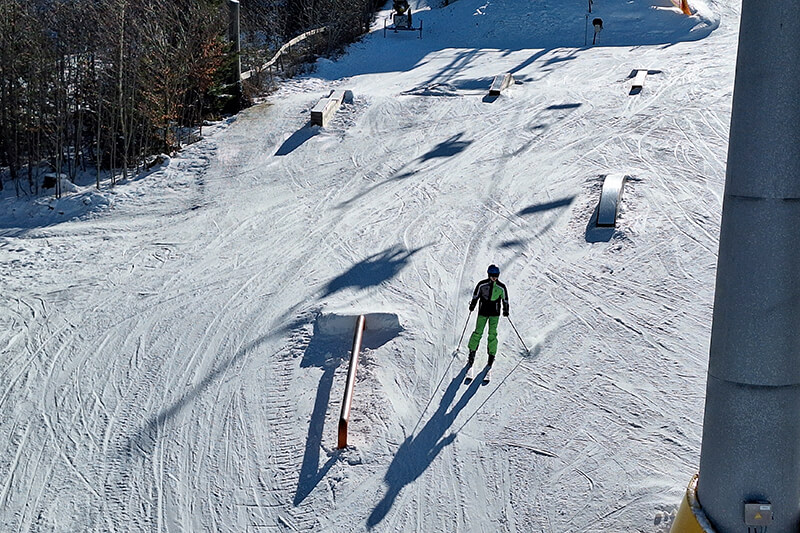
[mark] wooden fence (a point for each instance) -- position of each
(284, 48)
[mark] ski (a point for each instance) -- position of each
(488, 376)
(470, 375)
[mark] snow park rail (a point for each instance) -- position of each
(344, 418)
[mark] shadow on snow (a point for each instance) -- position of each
(418, 452)
(372, 271)
(547, 206)
(297, 139)
(141, 442)
(448, 148)
(327, 350)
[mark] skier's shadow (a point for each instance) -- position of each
(417, 453)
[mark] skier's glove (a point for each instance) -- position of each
(505, 313)
(471, 305)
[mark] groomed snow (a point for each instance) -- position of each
(173, 351)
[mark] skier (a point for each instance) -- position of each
(492, 294)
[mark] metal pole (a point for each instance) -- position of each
(751, 432)
(586, 32)
(518, 335)
(234, 37)
(463, 331)
(344, 418)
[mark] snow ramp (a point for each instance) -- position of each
(380, 328)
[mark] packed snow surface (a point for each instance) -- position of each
(173, 350)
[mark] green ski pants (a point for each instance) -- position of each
(480, 325)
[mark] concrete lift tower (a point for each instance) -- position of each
(749, 479)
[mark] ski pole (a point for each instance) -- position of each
(518, 335)
(462, 332)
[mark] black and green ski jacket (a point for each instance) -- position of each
(491, 294)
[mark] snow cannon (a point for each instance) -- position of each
(400, 6)
(400, 19)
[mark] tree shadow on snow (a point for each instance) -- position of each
(452, 146)
(372, 271)
(357, 197)
(542, 121)
(547, 206)
(418, 452)
(535, 209)
(564, 40)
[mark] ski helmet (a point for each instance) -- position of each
(493, 270)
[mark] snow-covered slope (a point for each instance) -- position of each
(176, 360)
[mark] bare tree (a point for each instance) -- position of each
(105, 83)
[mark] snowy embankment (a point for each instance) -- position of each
(168, 362)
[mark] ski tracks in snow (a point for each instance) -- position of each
(178, 383)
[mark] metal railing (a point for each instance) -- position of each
(344, 418)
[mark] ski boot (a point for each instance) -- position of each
(488, 375)
(470, 369)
